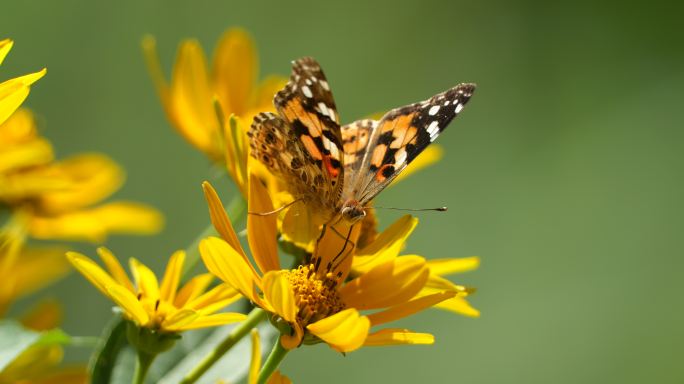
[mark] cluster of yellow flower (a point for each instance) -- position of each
(375, 284)
(48, 199)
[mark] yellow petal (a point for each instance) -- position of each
(171, 278)
(236, 143)
(386, 246)
(180, 319)
(220, 220)
(34, 153)
(192, 289)
(266, 89)
(145, 280)
(129, 303)
(409, 308)
(115, 268)
(300, 227)
(442, 284)
(261, 230)
(149, 47)
(5, 47)
(11, 97)
(94, 177)
(91, 271)
(96, 223)
(344, 331)
(213, 321)
(37, 268)
(460, 306)
(432, 154)
(216, 299)
(393, 336)
(30, 184)
(30, 78)
(387, 284)
(47, 315)
(255, 362)
(192, 100)
(293, 340)
(449, 266)
(235, 71)
(20, 128)
(228, 265)
(279, 293)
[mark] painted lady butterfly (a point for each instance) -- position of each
(339, 170)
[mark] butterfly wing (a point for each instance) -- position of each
(401, 135)
(303, 144)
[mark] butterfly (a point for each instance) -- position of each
(337, 170)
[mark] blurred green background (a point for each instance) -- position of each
(563, 173)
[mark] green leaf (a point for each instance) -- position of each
(105, 355)
(15, 339)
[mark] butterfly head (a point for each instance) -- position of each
(352, 211)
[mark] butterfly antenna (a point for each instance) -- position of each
(438, 209)
(273, 211)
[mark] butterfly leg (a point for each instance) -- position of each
(346, 242)
(316, 260)
(275, 210)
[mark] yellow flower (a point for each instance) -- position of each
(163, 308)
(25, 270)
(55, 199)
(194, 94)
(315, 301)
(40, 364)
(13, 92)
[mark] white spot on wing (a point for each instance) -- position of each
(325, 85)
(334, 152)
(433, 111)
(433, 130)
(323, 108)
(307, 92)
(458, 109)
(400, 156)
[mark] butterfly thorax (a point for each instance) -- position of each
(352, 211)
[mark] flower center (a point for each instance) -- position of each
(315, 298)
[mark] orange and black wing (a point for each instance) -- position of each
(401, 135)
(307, 150)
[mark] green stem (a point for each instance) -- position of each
(272, 362)
(253, 319)
(142, 366)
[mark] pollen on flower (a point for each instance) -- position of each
(316, 298)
